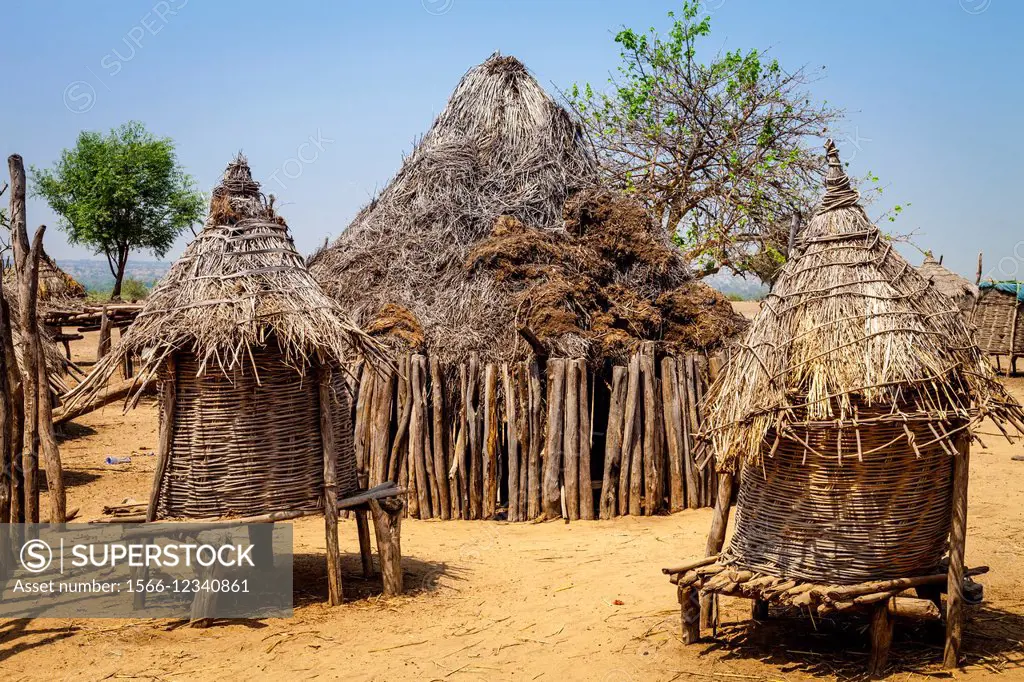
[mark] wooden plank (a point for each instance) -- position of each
(630, 429)
(439, 432)
(673, 433)
(417, 462)
(652, 434)
(586, 436)
(428, 448)
(522, 389)
(571, 441)
(536, 441)
(551, 498)
(613, 445)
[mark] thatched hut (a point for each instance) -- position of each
(999, 317)
(848, 409)
(493, 265)
(55, 285)
(249, 352)
(963, 293)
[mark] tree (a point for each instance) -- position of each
(119, 192)
(724, 152)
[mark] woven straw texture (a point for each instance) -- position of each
(245, 446)
(821, 513)
(963, 293)
(999, 318)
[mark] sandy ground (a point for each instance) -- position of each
(491, 600)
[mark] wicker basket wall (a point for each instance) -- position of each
(808, 516)
(242, 448)
(1000, 321)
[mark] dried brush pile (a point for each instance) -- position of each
(239, 286)
(432, 250)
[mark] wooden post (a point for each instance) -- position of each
(688, 605)
(103, 346)
(396, 458)
(380, 428)
(977, 279)
(522, 389)
(490, 456)
(551, 497)
(586, 434)
(536, 442)
(629, 433)
(571, 453)
(613, 444)
(462, 443)
(428, 449)
(365, 550)
(693, 491)
(7, 454)
(512, 429)
(673, 433)
(476, 476)
(364, 404)
(416, 436)
(387, 524)
(165, 443)
(439, 429)
(15, 421)
(47, 438)
(957, 542)
(881, 639)
(716, 537)
(334, 590)
(652, 435)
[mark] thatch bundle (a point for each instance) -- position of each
(852, 388)
(242, 338)
(963, 293)
(431, 246)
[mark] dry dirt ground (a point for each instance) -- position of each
(495, 601)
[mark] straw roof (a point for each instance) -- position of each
(849, 323)
(424, 258)
(948, 282)
(54, 283)
(239, 285)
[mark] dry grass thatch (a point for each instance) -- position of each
(963, 293)
(850, 323)
(239, 285)
(502, 148)
(55, 285)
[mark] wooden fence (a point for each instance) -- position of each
(535, 439)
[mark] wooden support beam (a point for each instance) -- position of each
(716, 538)
(689, 604)
(651, 434)
(551, 496)
(613, 445)
(512, 429)
(330, 492)
(387, 524)
(440, 449)
(957, 542)
(881, 640)
(490, 454)
(571, 453)
(365, 551)
(586, 436)
(536, 441)
(630, 439)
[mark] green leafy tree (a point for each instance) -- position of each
(724, 151)
(119, 192)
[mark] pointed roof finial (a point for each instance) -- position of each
(838, 192)
(237, 180)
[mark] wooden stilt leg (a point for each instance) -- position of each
(881, 639)
(387, 524)
(334, 590)
(365, 551)
(759, 609)
(716, 538)
(957, 540)
(689, 604)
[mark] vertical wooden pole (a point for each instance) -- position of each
(688, 605)
(364, 405)
(387, 524)
(571, 440)
(440, 430)
(416, 439)
(512, 428)
(586, 434)
(15, 422)
(462, 442)
(716, 537)
(476, 476)
(673, 433)
(7, 468)
(396, 470)
(380, 429)
(365, 551)
(490, 458)
(536, 441)
(522, 390)
(881, 639)
(103, 346)
(613, 454)
(693, 482)
(551, 498)
(630, 429)
(652, 435)
(957, 543)
(165, 444)
(334, 590)
(428, 449)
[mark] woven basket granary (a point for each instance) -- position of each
(999, 317)
(845, 406)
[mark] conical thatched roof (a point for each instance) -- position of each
(54, 283)
(849, 322)
(414, 260)
(948, 282)
(240, 284)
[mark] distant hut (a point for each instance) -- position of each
(496, 269)
(249, 352)
(55, 285)
(999, 317)
(849, 407)
(961, 291)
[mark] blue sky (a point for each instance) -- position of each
(932, 87)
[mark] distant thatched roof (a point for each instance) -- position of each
(949, 283)
(240, 284)
(54, 284)
(427, 253)
(849, 322)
